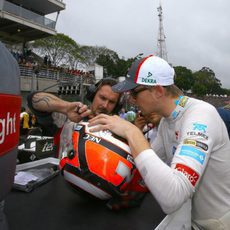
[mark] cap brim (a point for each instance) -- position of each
(124, 86)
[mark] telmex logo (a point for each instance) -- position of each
(9, 122)
(200, 134)
(199, 127)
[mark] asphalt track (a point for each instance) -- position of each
(55, 206)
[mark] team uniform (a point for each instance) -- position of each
(195, 146)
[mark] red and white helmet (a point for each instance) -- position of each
(98, 163)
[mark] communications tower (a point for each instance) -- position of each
(161, 44)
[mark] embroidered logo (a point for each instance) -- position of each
(192, 152)
(149, 74)
(189, 173)
(183, 102)
(199, 127)
(196, 143)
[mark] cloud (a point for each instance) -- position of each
(197, 33)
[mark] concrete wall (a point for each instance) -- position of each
(29, 83)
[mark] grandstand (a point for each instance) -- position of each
(25, 20)
(22, 21)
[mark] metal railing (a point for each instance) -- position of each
(28, 15)
(57, 75)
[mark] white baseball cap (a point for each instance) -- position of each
(149, 71)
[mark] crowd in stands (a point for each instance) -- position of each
(44, 67)
(215, 101)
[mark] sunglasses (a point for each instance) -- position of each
(134, 92)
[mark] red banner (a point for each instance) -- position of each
(10, 108)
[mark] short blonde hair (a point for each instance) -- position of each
(173, 90)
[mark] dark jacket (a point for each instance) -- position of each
(225, 115)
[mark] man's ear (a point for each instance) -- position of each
(159, 91)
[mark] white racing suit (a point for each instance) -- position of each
(194, 144)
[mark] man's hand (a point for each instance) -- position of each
(76, 111)
(122, 128)
(140, 122)
(114, 123)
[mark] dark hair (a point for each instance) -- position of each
(93, 89)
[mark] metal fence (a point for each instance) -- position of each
(62, 77)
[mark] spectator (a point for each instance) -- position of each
(24, 121)
(122, 113)
(45, 60)
(225, 115)
(49, 62)
(190, 155)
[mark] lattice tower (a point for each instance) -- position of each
(161, 44)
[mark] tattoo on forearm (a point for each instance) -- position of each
(39, 101)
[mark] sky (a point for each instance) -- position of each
(197, 32)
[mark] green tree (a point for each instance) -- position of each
(225, 91)
(74, 56)
(122, 66)
(108, 64)
(91, 53)
(113, 65)
(199, 89)
(59, 48)
(206, 78)
(183, 78)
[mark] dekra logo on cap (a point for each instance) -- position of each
(147, 79)
(149, 74)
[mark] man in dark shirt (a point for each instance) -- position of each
(225, 115)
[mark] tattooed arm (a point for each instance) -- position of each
(45, 102)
